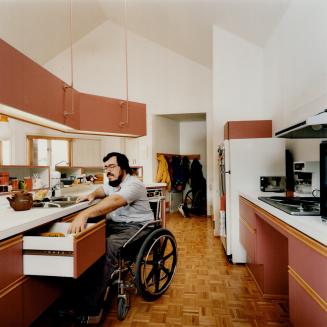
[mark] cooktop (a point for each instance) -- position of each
(297, 206)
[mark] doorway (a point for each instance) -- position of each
(180, 134)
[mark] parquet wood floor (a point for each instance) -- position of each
(206, 291)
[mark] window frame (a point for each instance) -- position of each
(1, 153)
(30, 139)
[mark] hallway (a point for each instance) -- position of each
(206, 290)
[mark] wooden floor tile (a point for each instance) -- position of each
(206, 291)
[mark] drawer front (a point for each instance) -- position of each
(305, 310)
(38, 294)
(89, 247)
(247, 212)
(11, 261)
(248, 240)
(11, 306)
(310, 264)
(64, 256)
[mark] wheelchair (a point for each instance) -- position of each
(146, 263)
(195, 202)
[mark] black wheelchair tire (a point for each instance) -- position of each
(154, 246)
(122, 308)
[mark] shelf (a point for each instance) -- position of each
(21, 171)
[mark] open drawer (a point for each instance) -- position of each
(66, 256)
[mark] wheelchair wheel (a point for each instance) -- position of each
(156, 264)
(122, 308)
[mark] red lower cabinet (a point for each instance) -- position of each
(267, 251)
(285, 262)
(11, 306)
(272, 260)
(305, 310)
(308, 283)
(38, 294)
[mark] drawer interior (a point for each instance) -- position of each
(53, 237)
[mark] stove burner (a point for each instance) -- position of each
(297, 206)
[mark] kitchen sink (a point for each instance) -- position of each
(64, 198)
(56, 202)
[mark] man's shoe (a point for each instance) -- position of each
(90, 319)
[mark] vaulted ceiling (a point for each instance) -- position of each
(40, 28)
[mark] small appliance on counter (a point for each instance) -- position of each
(273, 184)
(306, 177)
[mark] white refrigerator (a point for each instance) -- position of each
(244, 161)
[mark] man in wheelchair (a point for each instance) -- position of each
(127, 209)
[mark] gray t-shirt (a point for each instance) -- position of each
(134, 192)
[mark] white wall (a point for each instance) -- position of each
(165, 81)
(237, 88)
(296, 69)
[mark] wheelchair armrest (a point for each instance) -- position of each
(153, 222)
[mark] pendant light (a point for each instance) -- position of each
(5, 132)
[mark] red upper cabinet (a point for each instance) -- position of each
(109, 115)
(134, 119)
(43, 92)
(71, 109)
(247, 129)
(27, 86)
(11, 76)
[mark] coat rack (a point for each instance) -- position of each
(190, 156)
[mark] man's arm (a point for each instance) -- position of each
(96, 194)
(108, 204)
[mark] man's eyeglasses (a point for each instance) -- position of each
(110, 167)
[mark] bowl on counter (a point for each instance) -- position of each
(67, 181)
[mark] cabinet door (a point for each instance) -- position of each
(11, 261)
(11, 306)
(307, 282)
(87, 153)
(109, 115)
(11, 76)
(304, 309)
(43, 92)
(248, 240)
(38, 294)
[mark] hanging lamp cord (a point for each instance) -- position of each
(71, 86)
(125, 123)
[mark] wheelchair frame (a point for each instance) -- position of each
(151, 269)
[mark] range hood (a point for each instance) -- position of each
(313, 127)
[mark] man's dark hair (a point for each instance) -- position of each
(122, 161)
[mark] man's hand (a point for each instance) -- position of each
(78, 224)
(89, 197)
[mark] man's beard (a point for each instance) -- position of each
(117, 181)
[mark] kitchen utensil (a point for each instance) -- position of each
(20, 201)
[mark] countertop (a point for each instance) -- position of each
(14, 222)
(311, 226)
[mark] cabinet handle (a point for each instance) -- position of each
(123, 123)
